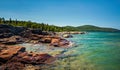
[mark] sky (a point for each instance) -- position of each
(103, 13)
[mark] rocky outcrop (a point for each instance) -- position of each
(54, 41)
(12, 40)
(45, 40)
(8, 30)
(69, 33)
(8, 52)
(12, 66)
(57, 42)
(18, 56)
(14, 35)
(32, 58)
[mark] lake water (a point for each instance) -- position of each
(93, 51)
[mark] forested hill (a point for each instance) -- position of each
(95, 28)
(90, 28)
(46, 27)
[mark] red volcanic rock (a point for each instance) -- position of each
(10, 51)
(36, 59)
(22, 54)
(15, 58)
(57, 42)
(18, 54)
(63, 42)
(48, 39)
(54, 40)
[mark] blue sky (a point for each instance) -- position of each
(104, 13)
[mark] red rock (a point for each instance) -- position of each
(54, 40)
(18, 54)
(12, 40)
(10, 51)
(38, 59)
(12, 66)
(59, 42)
(22, 54)
(45, 40)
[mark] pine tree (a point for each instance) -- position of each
(10, 20)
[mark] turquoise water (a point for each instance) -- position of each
(96, 51)
(93, 51)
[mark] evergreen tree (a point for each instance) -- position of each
(29, 24)
(10, 20)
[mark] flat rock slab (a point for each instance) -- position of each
(8, 52)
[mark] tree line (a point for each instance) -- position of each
(47, 27)
(29, 24)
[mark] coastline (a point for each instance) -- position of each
(33, 39)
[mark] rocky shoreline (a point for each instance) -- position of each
(16, 57)
(14, 35)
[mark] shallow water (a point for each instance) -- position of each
(96, 51)
(93, 51)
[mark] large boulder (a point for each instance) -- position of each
(67, 36)
(58, 42)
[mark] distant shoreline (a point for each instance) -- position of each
(53, 28)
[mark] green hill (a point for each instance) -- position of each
(90, 28)
(95, 28)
